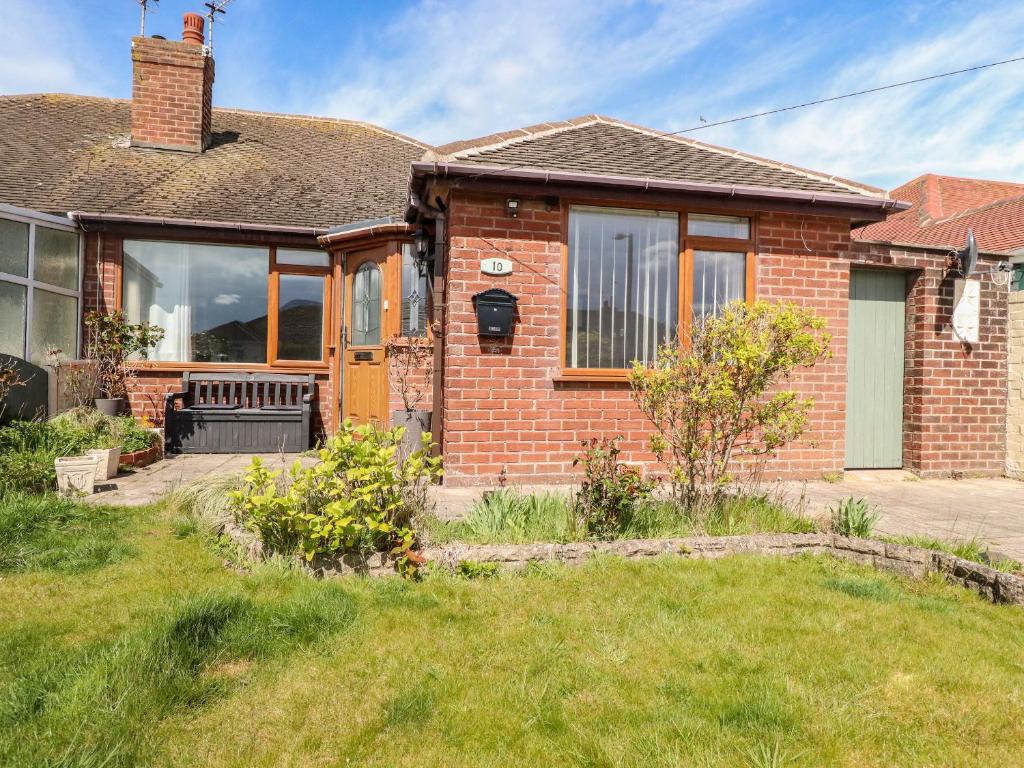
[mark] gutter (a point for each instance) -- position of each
(161, 221)
(363, 229)
(472, 170)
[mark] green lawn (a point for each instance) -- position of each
(158, 654)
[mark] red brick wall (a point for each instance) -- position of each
(504, 410)
(172, 93)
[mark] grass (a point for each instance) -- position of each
(510, 516)
(165, 657)
(51, 533)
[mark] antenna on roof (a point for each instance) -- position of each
(215, 6)
(142, 22)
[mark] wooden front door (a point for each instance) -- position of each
(367, 306)
(874, 370)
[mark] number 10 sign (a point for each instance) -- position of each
(496, 267)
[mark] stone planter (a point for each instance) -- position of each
(76, 475)
(108, 461)
(415, 423)
(110, 406)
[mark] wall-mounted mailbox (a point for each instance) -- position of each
(495, 312)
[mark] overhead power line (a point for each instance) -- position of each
(704, 126)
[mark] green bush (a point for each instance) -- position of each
(357, 499)
(854, 517)
(28, 448)
(610, 492)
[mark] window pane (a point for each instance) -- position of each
(706, 225)
(56, 257)
(12, 319)
(211, 300)
(366, 287)
(302, 258)
(300, 317)
(623, 286)
(718, 278)
(414, 295)
(54, 325)
(14, 247)
(1017, 281)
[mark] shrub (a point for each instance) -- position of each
(610, 491)
(854, 517)
(719, 396)
(356, 499)
(112, 342)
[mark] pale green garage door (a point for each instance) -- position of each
(874, 378)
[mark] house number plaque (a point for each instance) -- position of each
(496, 267)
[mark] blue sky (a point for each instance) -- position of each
(441, 71)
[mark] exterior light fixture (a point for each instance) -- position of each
(422, 243)
(512, 207)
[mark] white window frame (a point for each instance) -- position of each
(34, 219)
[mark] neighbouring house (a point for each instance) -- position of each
(279, 243)
(959, 419)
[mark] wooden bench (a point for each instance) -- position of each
(239, 413)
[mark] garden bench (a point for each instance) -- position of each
(239, 413)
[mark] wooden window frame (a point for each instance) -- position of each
(274, 272)
(273, 319)
(687, 245)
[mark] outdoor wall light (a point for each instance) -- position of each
(512, 207)
(422, 243)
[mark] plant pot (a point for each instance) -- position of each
(76, 475)
(110, 406)
(108, 461)
(415, 423)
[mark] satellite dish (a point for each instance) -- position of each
(969, 255)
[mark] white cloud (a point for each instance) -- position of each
(227, 299)
(967, 125)
(449, 71)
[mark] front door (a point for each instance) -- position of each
(365, 396)
(874, 370)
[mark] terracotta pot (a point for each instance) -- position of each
(108, 460)
(76, 475)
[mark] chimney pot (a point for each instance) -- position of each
(193, 29)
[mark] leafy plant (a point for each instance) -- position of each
(854, 517)
(719, 396)
(357, 499)
(410, 368)
(113, 343)
(472, 569)
(610, 491)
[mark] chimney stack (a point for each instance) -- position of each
(172, 90)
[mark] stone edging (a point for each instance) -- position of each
(913, 562)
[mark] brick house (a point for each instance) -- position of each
(288, 243)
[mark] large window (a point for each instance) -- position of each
(227, 304)
(624, 295)
(40, 274)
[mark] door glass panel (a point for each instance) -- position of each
(12, 319)
(300, 317)
(54, 325)
(56, 257)
(14, 247)
(366, 293)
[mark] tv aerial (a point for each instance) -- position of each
(144, 6)
(215, 7)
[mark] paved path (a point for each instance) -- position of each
(146, 485)
(991, 509)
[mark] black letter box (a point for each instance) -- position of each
(495, 312)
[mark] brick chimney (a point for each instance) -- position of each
(172, 90)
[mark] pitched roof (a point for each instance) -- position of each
(602, 146)
(60, 153)
(945, 207)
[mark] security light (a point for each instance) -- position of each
(512, 207)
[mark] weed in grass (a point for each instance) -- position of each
(854, 517)
(868, 589)
(50, 533)
(768, 756)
